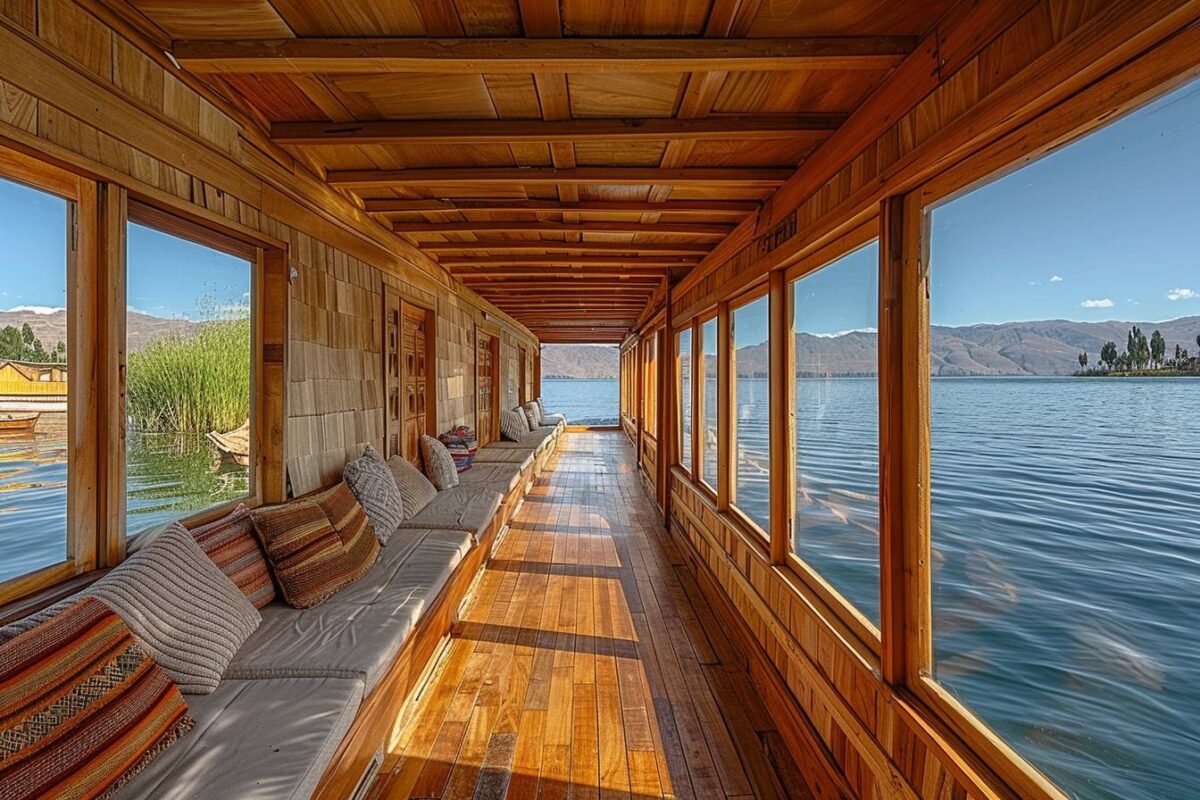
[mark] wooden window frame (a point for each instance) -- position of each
(700, 373)
(727, 393)
(677, 399)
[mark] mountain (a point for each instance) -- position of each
(580, 361)
(50, 325)
(1046, 347)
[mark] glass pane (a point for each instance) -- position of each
(188, 377)
(580, 381)
(683, 347)
(1065, 311)
(650, 386)
(33, 380)
(708, 430)
(751, 410)
(837, 425)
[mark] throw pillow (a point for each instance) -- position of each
(541, 408)
(414, 487)
(371, 481)
(513, 425)
(232, 546)
(84, 708)
(311, 556)
(439, 466)
(530, 411)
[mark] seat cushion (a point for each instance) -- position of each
(255, 739)
(463, 508)
(371, 481)
(536, 441)
(231, 544)
(497, 476)
(84, 708)
(358, 632)
(506, 455)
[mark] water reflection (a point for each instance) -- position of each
(172, 474)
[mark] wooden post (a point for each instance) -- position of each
(110, 373)
(271, 293)
(697, 395)
(904, 369)
(782, 387)
(537, 372)
(725, 420)
(668, 417)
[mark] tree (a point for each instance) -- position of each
(1108, 354)
(1137, 347)
(1158, 348)
(1083, 359)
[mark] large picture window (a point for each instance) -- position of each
(707, 413)
(683, 355)
(188, 348)
(836, 523)
(751, 425)
(1065, 327)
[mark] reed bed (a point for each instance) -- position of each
(194, 383)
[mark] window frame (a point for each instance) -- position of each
(677, 398)
(700, 378)
(728, 392)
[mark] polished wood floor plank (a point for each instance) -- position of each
(587, 664)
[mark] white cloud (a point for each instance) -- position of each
(1056, 278)
(847, 332)
(1182, 294)
(1035, 283)
(39, 310)
(1104, 303)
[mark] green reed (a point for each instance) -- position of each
(192, 383)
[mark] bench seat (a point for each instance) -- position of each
(497, 476)
(461, 508)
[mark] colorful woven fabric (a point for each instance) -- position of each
(462, 444)
(82, 707)
(371, 481)
(513, 425)
(439, 465)
(317, 545)
(232, 546)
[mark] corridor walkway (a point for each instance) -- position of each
(588, 665)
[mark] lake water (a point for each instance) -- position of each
(584, 402)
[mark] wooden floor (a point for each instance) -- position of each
(587, 665)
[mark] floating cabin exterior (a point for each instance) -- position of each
(424, 194)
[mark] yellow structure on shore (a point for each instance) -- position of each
(26, 386)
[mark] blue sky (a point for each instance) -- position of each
(167, 277)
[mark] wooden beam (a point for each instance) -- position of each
(474, 56)
(552, 260)
(782, 444)
(815, 127)
(751, 177)
(390, 205)
(505, 246)
(562, 272)
(659, 229)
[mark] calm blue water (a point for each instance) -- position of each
(585, 402)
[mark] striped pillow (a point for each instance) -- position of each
(439, 466)
(83, 708)
(231, 545)
(414, 487)
(541, 408)
(531, 413)
(317, 545)
(513, 425)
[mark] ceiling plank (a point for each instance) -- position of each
(815, 126)
(533, 260)
(503, 246)
(564, 273)
(543, 55)
(660, 229)
(754, 177)
(389, 205)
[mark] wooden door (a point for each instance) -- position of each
(393, 404)
(417, 371)
(487, 406)
(522, 390)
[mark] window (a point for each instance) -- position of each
(751, 422)
(707, 375)
(188, 377)
(1064, 305)
(836, 517)
(650, 385)
(34, 400)
(577, 383)
(683, 354)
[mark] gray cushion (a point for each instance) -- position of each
(497, 476)
(505, 455)
(439, 464)
(183, 610)
(415, 488)
(513, 425)
(553, 419)
(532, 414)
(377, 492)
(537, 441)
(464, 508)
(254, 740)
(357, 632)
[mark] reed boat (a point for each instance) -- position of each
(234, 445)
(11, 423)
(834, 268)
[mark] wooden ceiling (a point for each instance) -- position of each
(564, 158)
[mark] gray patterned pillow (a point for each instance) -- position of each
(541, 408)
(439, 464)
(182, 609)
(513, 425)
(414, 487)
(372, 483)
(531, 414)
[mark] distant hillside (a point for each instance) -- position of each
(50, 326)
(1049, 347)
(580, 361)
